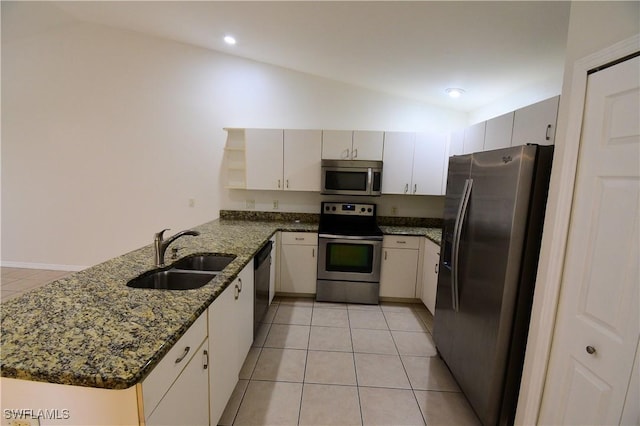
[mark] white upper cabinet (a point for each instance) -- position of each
(428, 164)
(413, 163)
(456, 143)
(264, 158)
(397, 162)
(302, 153)
(279, 159)
(337, 144)
(352, 145)
(367, 145)
(536, 123)
(474, 138)
(498, 132)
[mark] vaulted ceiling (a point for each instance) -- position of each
(414, 49)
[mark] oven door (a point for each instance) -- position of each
(347, 258)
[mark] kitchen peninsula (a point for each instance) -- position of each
(89, 330)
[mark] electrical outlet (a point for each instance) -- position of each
(251, 204)
(394, 211)
(275, 204)
(192, 202)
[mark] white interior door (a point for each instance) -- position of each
(598, 327)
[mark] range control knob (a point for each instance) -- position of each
(333, 208)
(327, 208)
(369, 209)
(362, 209)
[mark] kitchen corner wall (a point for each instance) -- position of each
(109, 136)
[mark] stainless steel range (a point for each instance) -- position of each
(349, 253)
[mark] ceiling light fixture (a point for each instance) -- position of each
(454, 92)
(229, 40)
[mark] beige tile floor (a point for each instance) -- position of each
(330, 364)
(16, 281)
(336, 364)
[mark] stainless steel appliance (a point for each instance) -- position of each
(493, 217)
(261, 277)
(351, 177)
(349, 253)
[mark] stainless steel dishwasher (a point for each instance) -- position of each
(261, 276)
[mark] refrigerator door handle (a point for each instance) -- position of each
(457, 233)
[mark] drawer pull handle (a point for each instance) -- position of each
(299, 239)
(186, 351)
(205, 359)
(240, 288)
(401, 242)
(236, 292)
(435, 269)
(547, 136)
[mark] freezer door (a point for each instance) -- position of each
(459, 170)
(478, 335)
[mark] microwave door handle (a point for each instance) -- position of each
(369, 181)
(457, 234)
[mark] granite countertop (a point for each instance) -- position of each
(90, 329)
(434, 234)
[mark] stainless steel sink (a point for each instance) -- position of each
(172, 279)
(190, 272)
(204, 262)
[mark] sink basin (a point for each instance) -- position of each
(171, 279)
(204, 262)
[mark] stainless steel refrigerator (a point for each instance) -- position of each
(493, 217)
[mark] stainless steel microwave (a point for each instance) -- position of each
(351, 177)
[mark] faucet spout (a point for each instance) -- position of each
(161, 244)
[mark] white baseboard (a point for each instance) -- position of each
(53, 267)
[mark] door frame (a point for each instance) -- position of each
(556, 232)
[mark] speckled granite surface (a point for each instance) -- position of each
(434, 234)
(90, 329)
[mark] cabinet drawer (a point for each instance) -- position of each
(401, 241)
(300, 238)
(164, 374)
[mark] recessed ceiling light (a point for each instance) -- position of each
(454, 92)
(229, 40)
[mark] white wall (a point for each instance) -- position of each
(108, 134)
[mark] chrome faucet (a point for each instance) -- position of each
(161, 244)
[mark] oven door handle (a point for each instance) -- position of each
(351, 237)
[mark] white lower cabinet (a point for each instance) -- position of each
(230, 337)
(184, 367)
(399, 270)
(298, 262)
(187, 401)
(431, 261)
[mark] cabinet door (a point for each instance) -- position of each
(456, 143)
(498, 132)
(298, 269)
(430, 275)
(474, 138)
(536, 123)
(263, 153)
(398, 162)
(302, 153)
(187, 401)
(223, 359)
(243, 325)
(336, 144)
(428, 164)
(367, 145)
(399, 273)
